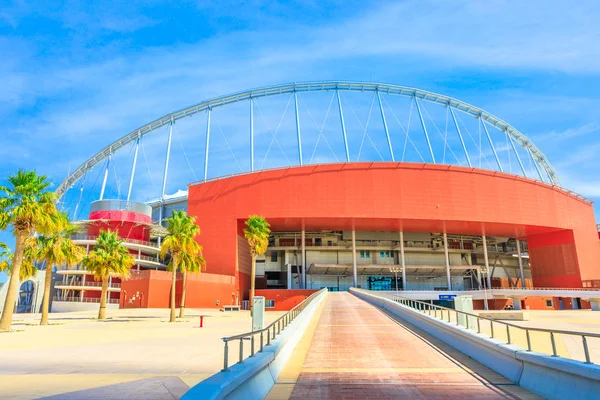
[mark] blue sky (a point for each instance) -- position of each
(76, 76)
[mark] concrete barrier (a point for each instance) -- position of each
(546, 376)
(254, 378)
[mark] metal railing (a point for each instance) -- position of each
(125, 240)
(271, 332)
(517, 335)
(120, 205)
(90, 284)
(84, 300)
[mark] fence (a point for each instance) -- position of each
(271, 332)
(533, 339)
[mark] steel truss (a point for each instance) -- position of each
(418, 95)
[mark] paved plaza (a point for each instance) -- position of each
(136, 354)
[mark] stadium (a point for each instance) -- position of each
(365, 185)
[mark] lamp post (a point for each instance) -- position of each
(395, 270)
(485, 271)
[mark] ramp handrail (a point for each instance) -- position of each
(272, 330)
(428, 308)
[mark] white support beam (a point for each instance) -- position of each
(448, 279)
(535, 164)
(343, 124)
(298, 127)
(512, 143)
(385, 126)
(487, 262)
(491, 144)
(520, 264)
(460, 136)
(135, 156)
(303, 240)
(354, 274)
(402, 262)
(207, 144)
(424, 129)
(251, 134)
(105, 177)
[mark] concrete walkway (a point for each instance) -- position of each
(357, 351)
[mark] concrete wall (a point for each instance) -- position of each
(549, 377)
(71, 306)
(254, 378)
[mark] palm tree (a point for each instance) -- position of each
(27, 206)
(180, 243)
(108, 258)
(193, 263)
(57, 248)
(257, 233)
(28, 269)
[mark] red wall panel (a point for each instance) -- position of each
(393, 196)
(284, 299)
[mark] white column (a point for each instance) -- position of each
(520, 264)
(487, 263)
(402, 262)
(303, 286)
(354, 258)
(447, 261)
(289, 276)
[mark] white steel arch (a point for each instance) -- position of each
(417, 95)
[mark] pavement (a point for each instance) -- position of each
(136, 354)
(353, 350)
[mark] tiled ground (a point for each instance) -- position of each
(358, 352)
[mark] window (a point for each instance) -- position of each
(387, 254)
(273, 256)
(368, 254)
(362, 254)
(549, 303)
(381, 254)
(269, 303)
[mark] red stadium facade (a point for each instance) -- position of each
(558, 226)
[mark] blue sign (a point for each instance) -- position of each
(449, 297)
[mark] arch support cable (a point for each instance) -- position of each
(491, 144)
(343, 124)
(298, 127)
(424, 128)
(512, 143)
(135, 156)
(385, 126)
(207, 145)
(251, 134)
(105, 177)
(460, 136)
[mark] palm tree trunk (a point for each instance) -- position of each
(252, 279)
(46, 300)
(173, 280)
(182, 306)
(102, 311)
(13, 284)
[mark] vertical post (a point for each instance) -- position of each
(424, 129)
(355, 276)
(207, 145)
(289, 276)
(512, 143)
(105, 176)
(251, 134)
(303, 259)
(462, 142)
(491, 144)
(402, 261)
(487, 262)
(385, 127)
(298, 127)
(343, 125)
(166, 171)
(520, 264)
(447, 261)
(80, 194)
(137, 147)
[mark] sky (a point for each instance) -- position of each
(78, 75)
